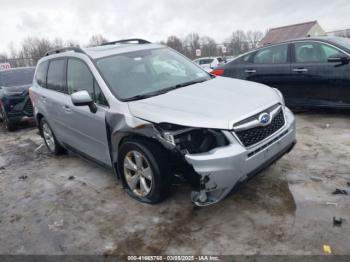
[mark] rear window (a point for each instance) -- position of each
(56, 75)
(205, 61)
(17, 77)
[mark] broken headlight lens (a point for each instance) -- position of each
(192, 140)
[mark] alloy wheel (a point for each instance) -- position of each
(138, 173)
(48, 137)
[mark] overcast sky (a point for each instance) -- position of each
(155, 20)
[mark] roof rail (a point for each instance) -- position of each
(65, 49)
(124, 41)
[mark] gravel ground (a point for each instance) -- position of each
(287, 209)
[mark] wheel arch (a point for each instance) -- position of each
(122, 137)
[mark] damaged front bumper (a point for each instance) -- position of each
(223, 168)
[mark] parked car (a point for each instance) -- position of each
(127, 107)
(15, 104)
(310, 72)
(209, 63)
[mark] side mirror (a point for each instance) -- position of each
(82, 98)
(339, 59)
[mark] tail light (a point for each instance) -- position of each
(218, 72)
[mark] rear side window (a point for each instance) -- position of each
(272, 55)
(40, 75)
(56, 75)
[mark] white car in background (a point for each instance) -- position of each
(209, 63)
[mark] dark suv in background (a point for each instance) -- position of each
(310, 72)
(15, 104)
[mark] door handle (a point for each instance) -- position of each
(250, 71)
(300, 70)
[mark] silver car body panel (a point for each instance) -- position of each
(219, 103)
(222, 168)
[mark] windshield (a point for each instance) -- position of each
(148, 72)
(342, 41)
(17, 77)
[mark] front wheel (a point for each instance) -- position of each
(49, 138)
(9, 126)
(143, 170)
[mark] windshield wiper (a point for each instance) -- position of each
(166, 90)
(144, 96)
(163, 91)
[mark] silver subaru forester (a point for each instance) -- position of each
(155, 117)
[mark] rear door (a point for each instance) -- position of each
(87, 131)
(53, 96)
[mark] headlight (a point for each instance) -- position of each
(280, 95)
(192, 140)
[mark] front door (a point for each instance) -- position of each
(315, 79)
(87, 130)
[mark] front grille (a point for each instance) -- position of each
(28, 108)
(254, 135)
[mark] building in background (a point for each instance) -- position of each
(284, 33)
(341, 33)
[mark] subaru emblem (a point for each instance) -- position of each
(264, 119)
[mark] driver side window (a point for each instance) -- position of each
(313, 52)
(79, 78)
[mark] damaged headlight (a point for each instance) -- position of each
(192, 140)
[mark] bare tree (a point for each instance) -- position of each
(208, 46)
(96, 40)
(71, 43)
(237, 43)
(253, 38)
(175, 43)
(35, 48)
(192, 43)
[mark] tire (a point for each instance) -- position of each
(8, 125)
(152, 172)
(49, 138)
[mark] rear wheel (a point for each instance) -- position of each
(143, 170)
(49, 138)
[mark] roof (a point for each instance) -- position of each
(104, 50)
(333, 40)
(280, 34)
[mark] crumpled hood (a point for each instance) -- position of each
(217, 103)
